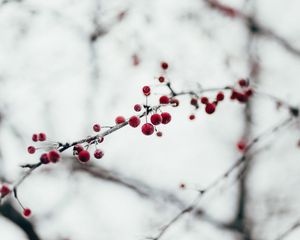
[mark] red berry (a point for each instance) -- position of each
(161, 79)
(119, 120)
(174, 102)
(156, 119)
(134, 121)
(44, 158)
(204, 100)
(35, 137)
(220, 96)
(98, 154)
(26, 212)
(234, 94)
(54, 156)
(210, 108)
(84, 156)
(159, 134)
(147, 129)
(192, 117)
(146, 90)
(166, 118)
(97, 127)
(194, 101)
(100, 139)
(164, 100)
(241, 97)
(243, 83)
(182, 185)
(249, 92)
(241, 145)
(4, 190)
(31, 149)
(42, 136)
(164, 65)
(137, 107)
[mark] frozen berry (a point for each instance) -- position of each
(166, 117)
(161, 79)
(233, 94)
(243, 83)
(159, 134)
(98, 154)
(241, 97)
(146, 90)
(164, 65)
(42, 137)
(194, 101)
(249, 92)
(137, 107)
(84, 156)
(204, 100)
(164, 100)
(35, 137)
(192, 117)
(31, 149)
(4, 190)
(44, 158)
(134, 121)
(147, 129)
(210, 108)
(241, 145)
(220, 96)
(26, 212)
(54, 156)
(119, 120)
(97, 127)
(156, 119)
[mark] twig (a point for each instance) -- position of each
(222, 177)
(292, 228)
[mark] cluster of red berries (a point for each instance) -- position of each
(155, 119)
(210, 107)
(243, 92)
(83, 155)
(39, 137)
(45, 158)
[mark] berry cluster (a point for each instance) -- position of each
(210, 106)
(242, 92)
(153, 116)
(51, 156)
(82, 152)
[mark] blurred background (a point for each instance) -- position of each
(66, 64)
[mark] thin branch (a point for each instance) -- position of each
(253, 25)
(291, 229)
(219, 179)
